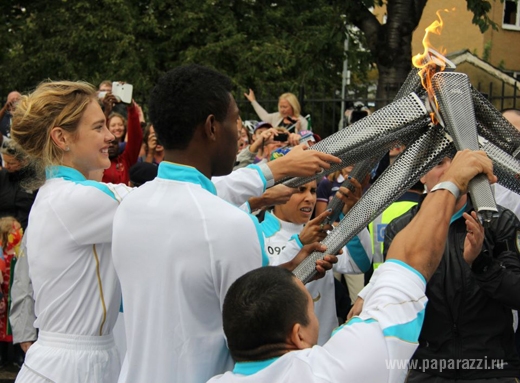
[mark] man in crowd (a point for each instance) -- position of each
(176, 269)
(503, 196)
(271, 327)
(470, 296)
(6, 114)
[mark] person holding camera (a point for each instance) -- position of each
(152, 149)
(116, 100)
(266, 139)
(120, 163)
(288, 115)
(6, 114)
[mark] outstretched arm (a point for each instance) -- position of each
(301, 162)
(393, 312)
(261, 112)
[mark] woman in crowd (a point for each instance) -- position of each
(117, 125)
(120, 163)
(77, 294)
(288, 114)
(291, 221)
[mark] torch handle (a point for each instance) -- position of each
(482, 198)
(359, 172)
(453, 93)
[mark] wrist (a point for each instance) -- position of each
(268, 175)
(450, 186)
(278, 168)
(303, 240)
(255, 203)
(253, 148)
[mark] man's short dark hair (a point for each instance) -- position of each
(182, 100)
(260, 310)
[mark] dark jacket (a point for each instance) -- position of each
(15, 201)
(468, 317)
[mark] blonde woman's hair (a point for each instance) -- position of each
(293, 101)
(52, 104)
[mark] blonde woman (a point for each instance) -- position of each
(76, 290)
(288, 115)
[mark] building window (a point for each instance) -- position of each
(511, 15)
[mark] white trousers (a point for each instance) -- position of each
(66, 358)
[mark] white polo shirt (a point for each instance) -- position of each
(373, 347)
(75, 286)
(508, 199)
(177, 249)
(356, 259)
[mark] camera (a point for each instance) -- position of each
(122, 91)
(282, 137)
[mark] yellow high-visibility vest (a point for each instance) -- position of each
(377, 227)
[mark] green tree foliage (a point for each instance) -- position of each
(268, 46)
(390, 43)
(260, 44)
(68, 40)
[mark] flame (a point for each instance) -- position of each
(431, 60)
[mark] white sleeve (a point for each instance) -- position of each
(263, 114)
(21, 312)
(387, 330)
(357, 255)
(365, 290)
(242, 184)
(508, 199)
(304, 124)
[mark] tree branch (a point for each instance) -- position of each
(365, 20)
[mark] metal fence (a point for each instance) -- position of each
(325, 109)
